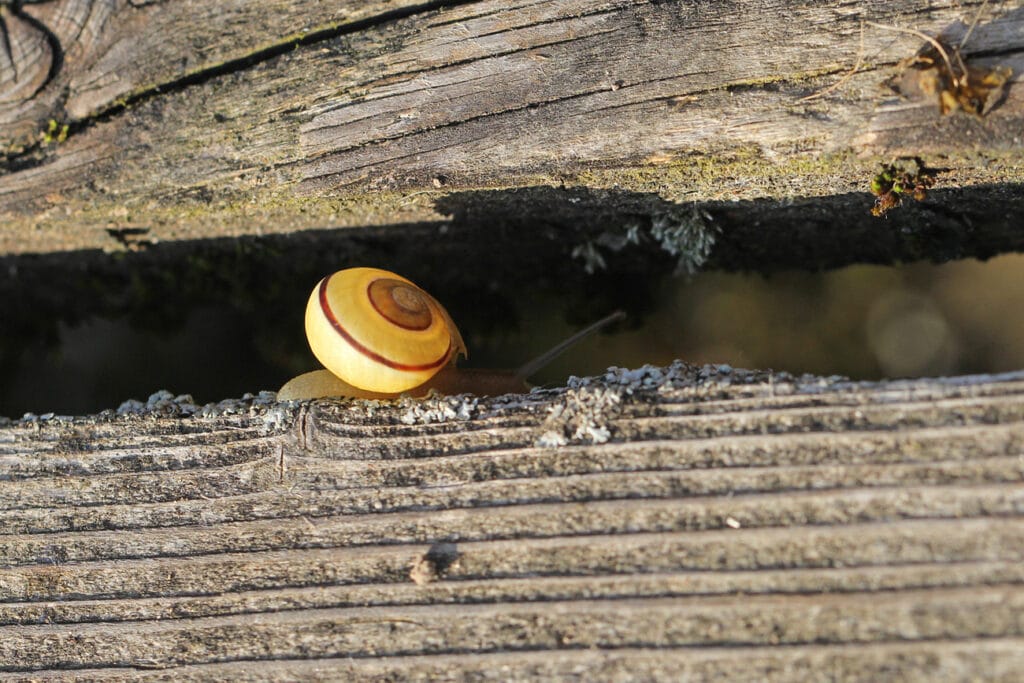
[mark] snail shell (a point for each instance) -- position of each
(380, 336)
(379, 332)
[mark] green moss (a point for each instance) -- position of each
(899, 180)
(743, 173)
(55, 133)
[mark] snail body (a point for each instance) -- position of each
(379, 336)
(450, 380)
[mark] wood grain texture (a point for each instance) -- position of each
(374, 121)
(714, 75)
(74, 59)
(712, 522)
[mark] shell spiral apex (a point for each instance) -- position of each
(378, 331)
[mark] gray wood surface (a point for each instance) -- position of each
(679, 523)
(189, 120)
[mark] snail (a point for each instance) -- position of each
(380, 336)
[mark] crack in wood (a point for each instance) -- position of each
(16, 9)
(28, 157)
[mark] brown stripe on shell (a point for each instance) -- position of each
(400, 303)
(325, 306)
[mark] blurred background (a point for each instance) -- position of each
(865, 322)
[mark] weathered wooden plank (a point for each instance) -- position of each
(873, 531)
(680, 99)
(995, 660)
(73, 59)
(706, 80)
(220, 596)
(651, 623)
(957, 661)
(912, 555)
(388, 632)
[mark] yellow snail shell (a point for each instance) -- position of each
(381, 336)
(379, 332)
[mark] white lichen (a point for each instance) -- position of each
(592, 259)
(686, 235)
(684, 231)
(159, 404)
(248, 404)
(647, 377)
(581, 415)
(277, 417)
(437, 408)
